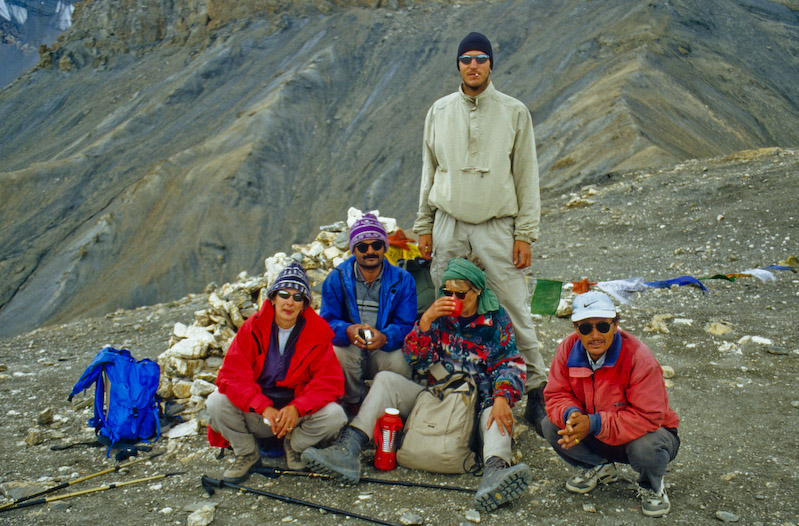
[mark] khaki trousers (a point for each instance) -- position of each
(359, 365)
(242, 428)
(492, 242)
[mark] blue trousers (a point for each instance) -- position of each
(648, 455)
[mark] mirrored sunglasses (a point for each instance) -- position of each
(459, 295)
(376, 245)
(586, 328)
(467, 59)
(286, 295)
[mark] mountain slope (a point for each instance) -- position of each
(157, 148)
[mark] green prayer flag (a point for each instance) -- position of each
(546, 297)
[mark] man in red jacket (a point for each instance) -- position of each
(607, 402)
(280, 378)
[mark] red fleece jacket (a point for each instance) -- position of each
(314, 372)
(627, 392)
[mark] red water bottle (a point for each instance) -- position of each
(387, 430)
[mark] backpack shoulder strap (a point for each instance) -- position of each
(93, 372)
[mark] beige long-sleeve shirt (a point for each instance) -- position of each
(479, 163)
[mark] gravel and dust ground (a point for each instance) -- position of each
(738, 399)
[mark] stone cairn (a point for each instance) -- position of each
(190, 365)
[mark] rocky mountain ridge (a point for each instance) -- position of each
(158, 147)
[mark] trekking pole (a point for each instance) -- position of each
(92, 490)
(209, 484)
(76, 481)
(273, 473)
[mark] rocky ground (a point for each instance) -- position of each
(736, 396)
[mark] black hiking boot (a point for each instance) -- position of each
(342, 460)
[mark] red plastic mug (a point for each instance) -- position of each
(458, 307)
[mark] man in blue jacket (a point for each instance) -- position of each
(371, 305)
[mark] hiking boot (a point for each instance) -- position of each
(242, 467)
(654, 503)
(342, 460)
(293, 459)
(501, 484)
(589, 478)
(535, 412)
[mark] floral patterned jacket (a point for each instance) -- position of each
(485, 348)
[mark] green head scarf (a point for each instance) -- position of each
(459, 268)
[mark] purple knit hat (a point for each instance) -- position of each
(367, 227)
(291, 277)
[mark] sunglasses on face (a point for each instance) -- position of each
(467, 59)
(364, 247)
(459, 295)
(586, 328)
(286, 295)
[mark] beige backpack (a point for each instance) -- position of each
(438, 430)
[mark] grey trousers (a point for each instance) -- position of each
(359, 365)
(648, 455)
(492, 242)
(242, 428)
(393, 390)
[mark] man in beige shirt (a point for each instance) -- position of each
(479, 195)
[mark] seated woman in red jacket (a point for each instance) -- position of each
(607, 402)
(280, 378)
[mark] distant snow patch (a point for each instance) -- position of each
(13, 13)
(64, 12)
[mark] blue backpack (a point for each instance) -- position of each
(125, 405)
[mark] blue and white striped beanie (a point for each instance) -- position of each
(291, 277)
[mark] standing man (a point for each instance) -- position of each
(280, 378)
(371, 305)
(479, 195)
(607, 403)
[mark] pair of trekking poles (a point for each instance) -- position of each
(40, 498)
(209, 484)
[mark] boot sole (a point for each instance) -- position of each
(658, 513)
(512, 486)
(318, 466)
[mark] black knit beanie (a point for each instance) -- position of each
(476, 41)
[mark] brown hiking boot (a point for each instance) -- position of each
(293, 459)
(242, 467)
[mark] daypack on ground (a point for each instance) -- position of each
(438, 431)
(419, 268)
(125, 405)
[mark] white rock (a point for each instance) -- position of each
(314, 249)
(668, 371)
(755, 339)
(185, 429)
(181, 388)
(730, 347)
(331, 253)
(189, 349)
(179, 330)
(718, 328)
(472, 516)
(202, 517)
(726, 516)
(202, 388)
(200, 334)
(185, 368)
(411, 518)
